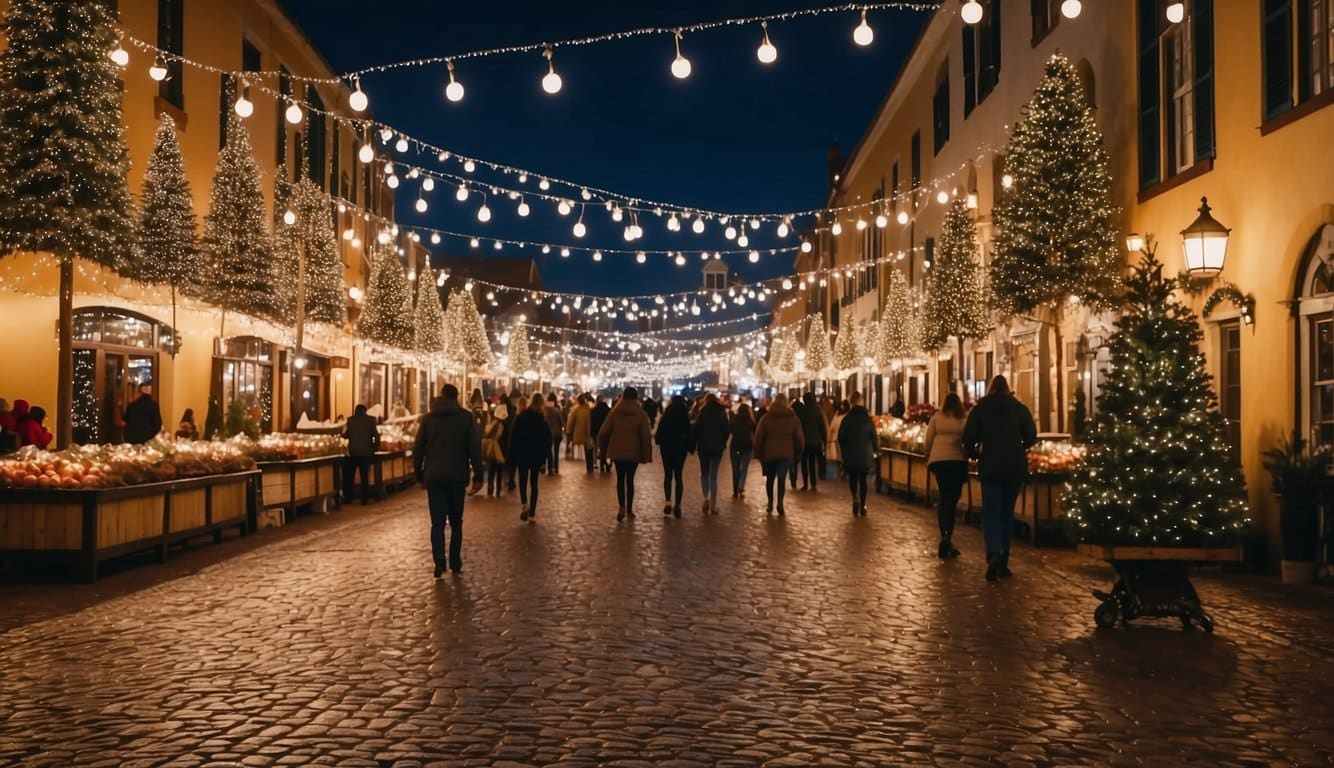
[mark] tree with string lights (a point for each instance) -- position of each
(518, 353)
(1056, 226)
(238, 247)
(847, 350)
(1158, 470)
(63, 161)
(819, 357)
(956, 304)
(311, 236)
(166, 241)
(386, 317)
(467, 331)
(429, 321)
(899, 330)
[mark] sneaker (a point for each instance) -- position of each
(780, 511)
(439, 570)
(523, 516)
(620, 514)
(863, 510)
(856, 509)
(667, 509)
(676, 512)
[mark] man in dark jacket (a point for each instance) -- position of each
(857, 444)
(599, 415)
(998, 433)
(363, 440)
(447, 442)
(816, 432)
(143, 418)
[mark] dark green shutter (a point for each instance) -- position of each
(1277, 57)
(1202, 21)
(1303, 50)
(969, 69)
(1150, 139)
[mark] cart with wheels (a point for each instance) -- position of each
(1154, 582)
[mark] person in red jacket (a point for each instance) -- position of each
(29, 425)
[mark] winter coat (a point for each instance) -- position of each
(579, 426)
(555, 422)
(626, 434)
(999, 432)
(363, 438)
(831, 447)
(779, 437)
(7, 421)
(596, 418)
(447, 442)
(743, 433)
(711, 430)
(674, 437)
(27, 428)
(944, 439)
(143, 420)
(814, 429)
(857, 441)
(530, 444)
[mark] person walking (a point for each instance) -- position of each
(651, 410)
(578, 430)
(673, 439)
(363, 440)
(831, 447)
(999, 432)
(143, 418)
(743, 447)
(815, 431)
(556, 426)
(448, 443)
(530, 450)
(596, 420)
(945, 459)
(627, 441)
(779, 440)
(857, 444)
(709, 434)
(494, 439)
(565, 407)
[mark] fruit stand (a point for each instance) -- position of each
(392, 468)
(300, 471)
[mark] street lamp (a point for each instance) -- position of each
(1134, 242)
(1205, 243)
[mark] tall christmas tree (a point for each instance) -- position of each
(899, 329)
(386, 317)
(166, 243)
(310, 234)
(787, 363)
(847, 350)
(775, 364)
(1158, 470)
(870, 343)
(237, 245)
(819, 357)
(468, 332)
(520, 358)
(428, 321)
(1056, 227)
(956, 304)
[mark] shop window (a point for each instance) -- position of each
(114, 352)
(981, 56)
(371, 385)
(1176, 90)
(1229, 385)
(170, 38)
(243, 373)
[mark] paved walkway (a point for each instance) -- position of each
(731, 640)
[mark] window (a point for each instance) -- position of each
(1045, 15)
(1176, 90)
(226, 98)
(1322, 380)
(170, 38)
(894, 184)
(940, 110)
(1320, 37)
(316, 139)
(335, 159)
(916, 159)
(1300, 54)
(981, 56)
(285, 89)
(1229, 385)
(715, 280)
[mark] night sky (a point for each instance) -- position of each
(736, 136)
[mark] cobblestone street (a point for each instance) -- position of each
(733, 639)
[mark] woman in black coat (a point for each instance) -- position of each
(530, 447)
(712, 429)
(673, 439)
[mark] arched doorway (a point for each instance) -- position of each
(115, 350)
(1315, 339)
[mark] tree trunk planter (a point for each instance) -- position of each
(81, 528)
(1154, 582)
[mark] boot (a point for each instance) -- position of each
(1003, 566)
(620, 513)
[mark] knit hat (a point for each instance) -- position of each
(501, 412)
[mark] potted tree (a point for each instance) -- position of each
(1301, 480)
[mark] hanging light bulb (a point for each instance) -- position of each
(680, 260)
(766, 53)
(475, 243)
(386, 133)
(754, 223)
(159, 70)
(367, 153)
(293, 114)
(119, 55)
(435, 238)
(674, 224)
(1071, 8)
(698, 226)
(742, 241)
(357, 99)
(942, 197)
(1176, 12)
(421, 205)
(617, 214)
(881, 221)
(565, 253)
(585, 194)
(428, 184)
(730, 232)
(523, 207)
(563, 208)
(902, 218)
(453, 91)
(754, 257)
(392, 181)
(551, 81)
(462, 193)
(579, 229)
(469, 166)
(971, 12)
(782, 229)
(836, 229)
(348, 234)
(244, 106)
(640, 257)
(863, 34)
(597, 255)
(544, 185)
(402, 144)
(806, 246)
(861, 225)
(680, 65)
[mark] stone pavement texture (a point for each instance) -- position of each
(732, 639)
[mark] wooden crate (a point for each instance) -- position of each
(189, 510)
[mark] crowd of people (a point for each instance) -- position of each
(509, 443)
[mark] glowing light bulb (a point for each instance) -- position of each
(942, 197)
(402, 144)
(585, 194)
(453, 91)
(680, 260)
(754, 257)
(428, 184)
(551, 82)
(386, 133)
(579, 229)
(1007, 181)
(158, 71)
(289, 218)
(1176, 12)
(475, 243)
(782, 229)
(462, 193)
(357, 99)
(563, 208)
(680, 65)
(674, 224)
(435, 238)
(881, 221)
(971, 12)
(565, 253)
(597, 255)
(523, 208)
(806, 246)
(742, 241)
(421, 205)
(366, 154)
(293, 114)
(544, 185)
(469, 166)
(244, 107)
(766, 53)
(861, 225)
(348, 234)
(836, 229)
(119, 55)
(1071, 8)
(730, 233)
(392, 181)
(617, 214)
(698, 227)
(640, 257)
(863, 35)
(902, 218)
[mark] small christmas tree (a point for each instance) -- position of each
(1057, 226)
(237, 244)
(386, 317)
(847, 349)
(787, 363)
(428, 321)
(1158, 470)
(311, 231)
(870, 343)
(956, 305)
(898, 322)
(774, 367)
(468, 331)
(520, 359)
(819, 357)
(166, 249)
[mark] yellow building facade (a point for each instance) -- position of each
(123, 331)
(1229, 103)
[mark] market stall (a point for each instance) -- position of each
(392, 468)
(300, 471)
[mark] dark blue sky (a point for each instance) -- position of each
(737, 135)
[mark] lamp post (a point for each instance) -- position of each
(1204, 244)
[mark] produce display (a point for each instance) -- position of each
(899, 435)
(398, 436)
(111, 466)
(1052, 456)
(291, 446)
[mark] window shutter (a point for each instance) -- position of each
(969, 69)
(1277, 43)
(1150, 142)
(1202, 21)
(994, 30)
(1303, 50)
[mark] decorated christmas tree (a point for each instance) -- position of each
(787, 363)
(520, 359)
(774, 367)
(238, 248)
(63, 160)
(311, 233)
(956, 305)
(870, 343)
(1158, 470)
(386, 317)
(467, 332)
(166, 247)
(1056, 226)
(428, 321)
(819, 357)
(899, 329)
(847, 349)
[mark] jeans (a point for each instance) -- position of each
(671, 475)
(708, 476)
(528, 487)
(998, 497)
(791, 470)
(495, 478)
(740, 466)
(446, 505)
(625, 483)
(589, 452)
(950, 477)
(360, 464)
(778, 470)
(553, 461)
(810, 466)
(857, 484)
